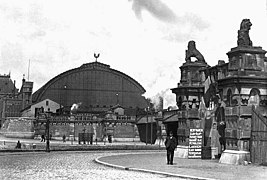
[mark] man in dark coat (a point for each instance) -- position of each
(18, 146)
(170, 144)
(221, 125)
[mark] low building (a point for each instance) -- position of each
(46, 105)
(117, 123)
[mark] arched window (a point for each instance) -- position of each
(229, 98)
(254, 97)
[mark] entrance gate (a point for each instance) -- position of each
(48, 120)
(258, 144)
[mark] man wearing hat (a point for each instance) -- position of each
(170, 144)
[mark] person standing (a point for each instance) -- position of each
(43, 138)
(18, 146)
(221, 125)
(64, 138)
(170, 145)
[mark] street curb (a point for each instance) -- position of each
(85, 148)
(146, 170)
(21, 153)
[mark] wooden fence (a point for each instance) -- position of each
(258, 144)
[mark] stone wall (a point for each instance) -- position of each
(18, 127)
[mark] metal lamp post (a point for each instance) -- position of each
(47, 131)
(105, 133)
(151, 128)
(146, 123)
(117, 98)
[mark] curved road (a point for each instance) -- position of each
(65, 165)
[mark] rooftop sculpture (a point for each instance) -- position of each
(243, 33)
(193, 52)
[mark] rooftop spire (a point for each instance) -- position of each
(96, 56)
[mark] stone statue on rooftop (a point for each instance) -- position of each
(243, 33)
(193, 52)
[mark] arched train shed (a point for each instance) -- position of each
(96, 86)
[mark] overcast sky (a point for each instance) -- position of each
(145, 39)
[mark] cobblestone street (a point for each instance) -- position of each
(64, 165)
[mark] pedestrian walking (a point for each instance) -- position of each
(109, 138)
(64, 138)
(170, 144)
(43, 138)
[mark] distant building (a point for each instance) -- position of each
(46, 105)
(7, 86)
(107, 99)
(25, 93)
(95, 86)
(12, 101)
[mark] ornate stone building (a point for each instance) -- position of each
(235, 96)
(188, 93)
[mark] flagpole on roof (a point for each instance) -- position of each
(29, 70)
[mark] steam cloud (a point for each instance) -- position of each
(75, 107)
(164, 99)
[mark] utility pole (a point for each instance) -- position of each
(29, 70)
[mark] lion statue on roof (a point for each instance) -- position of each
(243, 34)
(193, 52)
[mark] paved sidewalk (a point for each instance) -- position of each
(155, 162)
(60, 142)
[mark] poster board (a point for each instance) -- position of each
(195, 143)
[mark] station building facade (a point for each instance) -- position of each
(97, 91)
(96, 86)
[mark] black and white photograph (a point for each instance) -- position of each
(133, 89)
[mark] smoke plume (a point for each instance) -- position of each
(156, 8)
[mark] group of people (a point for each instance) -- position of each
(43, 137)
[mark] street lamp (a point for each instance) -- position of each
(117, 96)
(151, 128)
(47, 131)
(105, 132)
(147, 109)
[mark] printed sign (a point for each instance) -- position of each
(195, 143)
